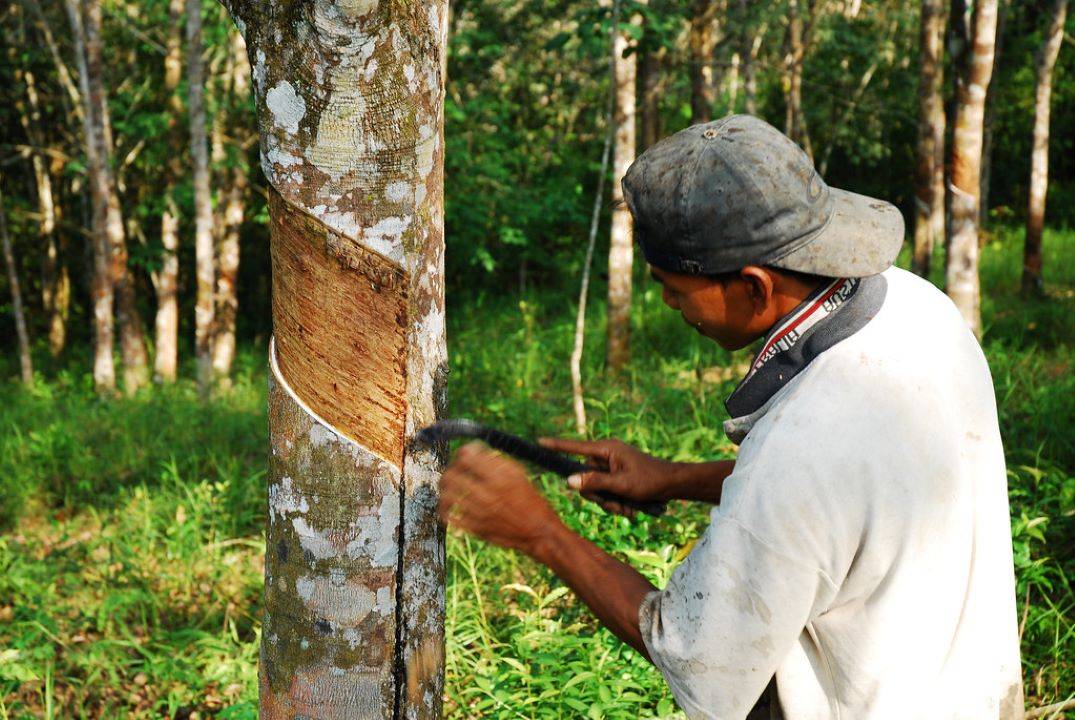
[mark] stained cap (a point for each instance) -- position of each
(733, 192)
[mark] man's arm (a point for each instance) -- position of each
(633, 474)
(490, 496)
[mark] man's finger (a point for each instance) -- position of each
(590, 448)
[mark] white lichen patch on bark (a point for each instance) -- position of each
(287, 108)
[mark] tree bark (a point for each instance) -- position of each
(794, 120)
(985, 181)
(1039, 154)
(227, 298)
(101, 290)
(166, 278)
(55, 281)
(752, 39)
(702, 40)
(621, 247)
(203, 204)
(349, 98)
(649, 69)
(962, 261)
(929, 161)
(26, 365)
(131, 333)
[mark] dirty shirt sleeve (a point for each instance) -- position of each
(729, 615)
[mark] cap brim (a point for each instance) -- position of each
(863, 238)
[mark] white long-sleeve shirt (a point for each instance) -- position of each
(861, 552)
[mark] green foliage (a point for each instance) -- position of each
(130, 579)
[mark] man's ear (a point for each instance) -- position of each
(759, 285)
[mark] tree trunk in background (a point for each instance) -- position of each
(621, 246)
(101, 291)
(794, 120)
(166, 279)
(929, 162)
(131, 334)
(990, 114)
(26, 365)
(203, 204)
(1039, 154)
(962, 261)
(350, 103)
(578, 401)
(752, 39)
(701, 39)
(55, 280)
(227, 298)
(649, 69)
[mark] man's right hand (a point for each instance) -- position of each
(626, 471)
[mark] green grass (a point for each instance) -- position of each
(130, 563)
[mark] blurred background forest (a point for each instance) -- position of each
(132, 470)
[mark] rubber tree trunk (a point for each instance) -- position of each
(985, 181)
(649, 70)
(203, 203)
(26, 366)
(962, 268)
(1039, 154)
(101, 291)
(349, 97)
(166, 278)
(929, 160)
(227, 261)
(794, 119)
(131, 333)
(701, 39)
(621, 247)
(55, 280)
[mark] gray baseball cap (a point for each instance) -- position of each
(733, 192)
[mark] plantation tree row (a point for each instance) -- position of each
(138, 213)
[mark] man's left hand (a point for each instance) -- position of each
(489, 495)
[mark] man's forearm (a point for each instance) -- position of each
(613, 590)
(698, 481)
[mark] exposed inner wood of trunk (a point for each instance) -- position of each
(340, 321)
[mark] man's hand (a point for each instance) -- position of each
(631, 473)
(489, 495)
(628, 472)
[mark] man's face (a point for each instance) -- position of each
(733, 312)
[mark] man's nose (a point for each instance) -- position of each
(669, 299)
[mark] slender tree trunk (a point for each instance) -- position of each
(751, 48)
(962, 266)
(55, 281)
(929, 165)
(131, 334)
(350, 103)
(702, 39)
(794, 120)
(621, 247)
(203, 204)
(1039, 154)
(166, 279)
(104, 374)
(990, 113)
(595, 215)
(26, 365)
(649, 69)
(227, 298)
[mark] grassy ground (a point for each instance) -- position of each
(130, 558)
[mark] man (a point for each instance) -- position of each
(860, 550)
